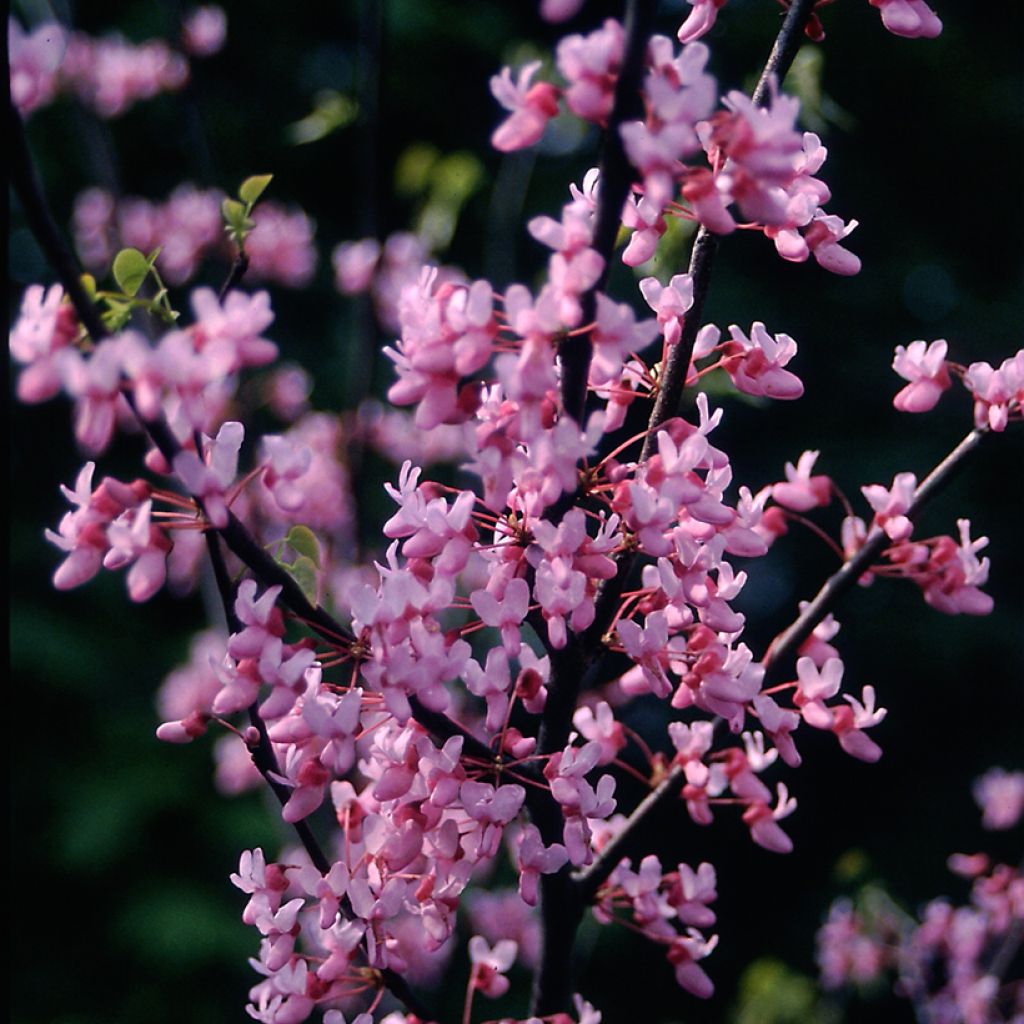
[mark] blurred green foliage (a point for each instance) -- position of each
(121, 847)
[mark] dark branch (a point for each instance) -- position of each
(236, 536)
(47, 234)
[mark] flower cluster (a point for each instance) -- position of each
(998, 393)
(463, 699)
(757, 162)
(109, 74)
(949, 960)
(188, 228)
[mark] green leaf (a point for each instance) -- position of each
(252, 188)
(89, 285)
(412, 173)
(117, 315)
(302, 541)
(130, 270)
(455, 178)
(234, 214)
(331, 112)
(304, 573)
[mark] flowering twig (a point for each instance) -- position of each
(234, 533)
(616, 175)
(847, 575)
(562, 904)
(625, 842)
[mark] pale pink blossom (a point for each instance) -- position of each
(532, 106)
(801, 491)
(355, 264)
(891, 506)
(46, 326)
(591, 65)
(490, 965)
(204, 30)
(34, 59)
(700, 20)
(925, 367)
(755, 364)
(998, 394)
(1000, 794)
(209, 479)
(913, 19)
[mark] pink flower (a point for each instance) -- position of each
(532, 107)
(599, 724)
(280, 247)
(892, 505)
(559, 10)
(489, 965)
(801, 491)
(823, 238)
(683, 954)
(208, 480)
(535, 859)
(34, 59)
(913, 19)
(45, 327)
(998, 394)
(591, 65)
(1000, 794)
(756, 364)
(670, 302)
(925, 367)
(95, 384)
(763, 822)
(204, 31)
(355, 264)
(700, 20)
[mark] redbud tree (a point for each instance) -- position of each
(565, 541)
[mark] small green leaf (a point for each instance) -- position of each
(130, 270)
(252, 188)
(412, 173)
(455, 177)
(331, 112)
(302, 541)
(117, 315)
(89, 284)
(304, 573)
(234, 214)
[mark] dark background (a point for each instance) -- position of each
(122, 908)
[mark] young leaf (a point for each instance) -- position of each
(252, 188)
(89, 284)
(304, 573)
(130, 270)
(302, 541)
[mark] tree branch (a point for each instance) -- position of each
(790, 639)
(235, 534)
(562, 901)
(625, 843)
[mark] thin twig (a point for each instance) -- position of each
(626, 841)
(790, 639)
